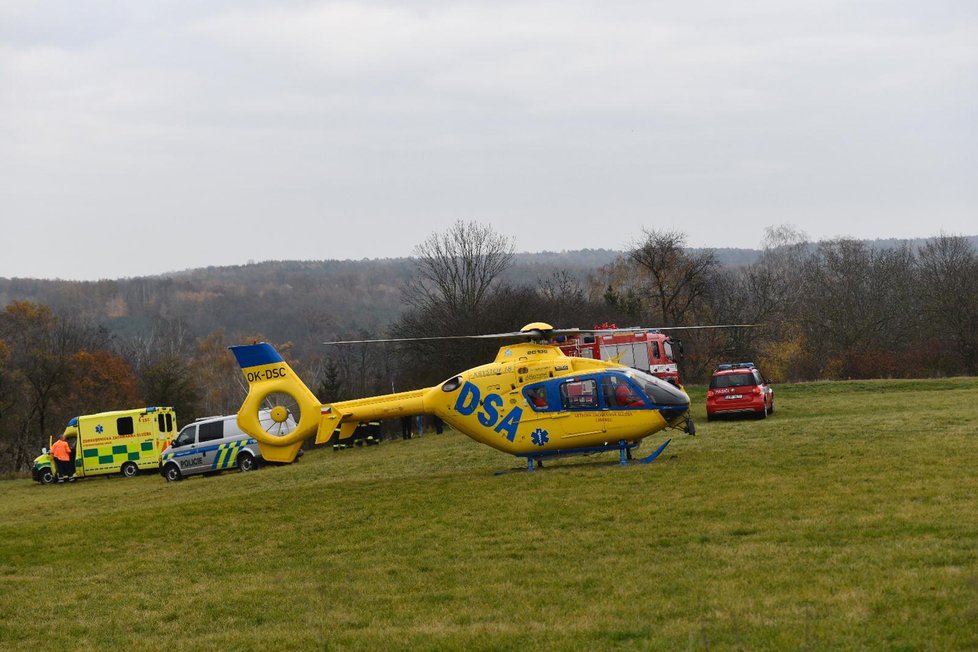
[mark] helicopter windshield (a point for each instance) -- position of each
(660, 392)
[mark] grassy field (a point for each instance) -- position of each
(847, 520)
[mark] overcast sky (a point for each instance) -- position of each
(143, 137)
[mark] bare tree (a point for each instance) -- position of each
(457, 291)
(948, 274)
(857, 307)
(677, 278)
(458, 269)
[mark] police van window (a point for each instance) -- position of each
(211, 431)
(186, 436)
(169, 422)
(124, 426)
(579, 394)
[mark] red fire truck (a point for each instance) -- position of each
(643, 348)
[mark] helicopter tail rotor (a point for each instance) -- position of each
(279, 410)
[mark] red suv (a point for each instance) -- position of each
(737, 389)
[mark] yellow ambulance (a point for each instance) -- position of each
(124, 441)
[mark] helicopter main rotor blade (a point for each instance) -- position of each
(536, 334)
(428, 339)
(692, 328)
(641, 329)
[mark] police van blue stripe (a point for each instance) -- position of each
(255, 355)
(195, 451)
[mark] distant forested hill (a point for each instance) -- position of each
(274, 299)
(279, 300)
(287, 300)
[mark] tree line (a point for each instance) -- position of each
(836, 309)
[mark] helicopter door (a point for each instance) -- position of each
(580, 414)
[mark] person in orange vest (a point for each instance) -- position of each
(62, 458)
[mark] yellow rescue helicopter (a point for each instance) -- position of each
(532, 401)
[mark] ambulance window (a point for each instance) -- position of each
(124, 425)
(579, 394)
(211, 431)
(161, 422)
(169, 422)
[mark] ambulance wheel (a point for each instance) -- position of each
(45, 476)
(246, 462)
(172, 473)
(129, 470)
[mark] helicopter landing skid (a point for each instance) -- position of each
(623, 447)
(658, 451)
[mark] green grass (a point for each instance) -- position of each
(847, 520)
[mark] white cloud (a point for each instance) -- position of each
(360, 118)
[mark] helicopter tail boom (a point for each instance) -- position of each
(341, 419)
(281, 412)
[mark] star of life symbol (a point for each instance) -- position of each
(539, 436)
(99, 429)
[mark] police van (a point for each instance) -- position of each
(210, 444)
(123, 441)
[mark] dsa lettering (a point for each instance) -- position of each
(470, 399)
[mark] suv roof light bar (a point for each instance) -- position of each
(735, 365)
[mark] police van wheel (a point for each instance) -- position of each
(129, 470)
(172, 473)
(45, 476)
(246, 462)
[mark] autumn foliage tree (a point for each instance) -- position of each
(99, 381)
(53, 368)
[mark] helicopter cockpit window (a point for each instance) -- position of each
(579, 394)
(660, 392)
(618, 393)
(537, 397)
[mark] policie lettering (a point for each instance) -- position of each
(469, 400)
(266, 374)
